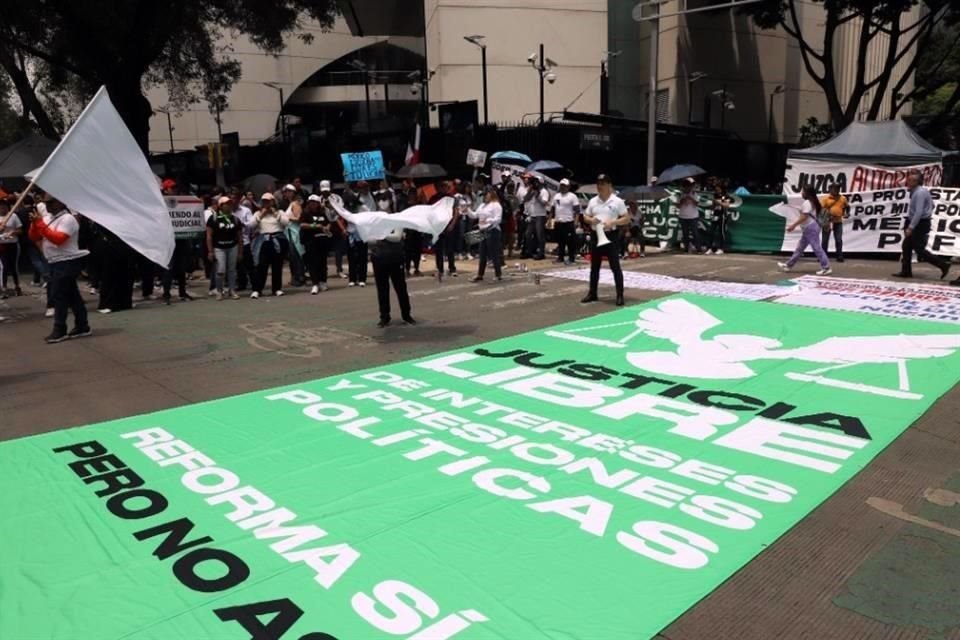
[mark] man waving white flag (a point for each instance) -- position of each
(99, 171)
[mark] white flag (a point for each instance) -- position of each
(99, 171)
(377, 225)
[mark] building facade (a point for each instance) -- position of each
(386, 64)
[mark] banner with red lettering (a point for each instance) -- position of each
(853, 177)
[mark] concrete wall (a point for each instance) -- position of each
(253, 107)
(575, 35)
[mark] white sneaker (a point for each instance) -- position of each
(708, 252)
(342, 275)
(233, 295)
(718, 252)
(363, 284)
(352, 284)
(218, 295)
(783, 267)
(254, 295)
(104, 311)
(278, 293)
(48, 313)
(825, 272)
(323, 286)
(212, 293)
(315, 290)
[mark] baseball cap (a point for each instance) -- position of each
(267, 196)
(289, 187)
(565, 182)
(314, 198)
(224, 200)
(324, 185)
(604, 179)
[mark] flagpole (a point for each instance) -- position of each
(16, 205)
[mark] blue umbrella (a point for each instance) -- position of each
(511, 155)
(544, 165)
(741, 191)
(680, 172)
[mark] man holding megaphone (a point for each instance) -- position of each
(606, 214)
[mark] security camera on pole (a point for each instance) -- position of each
(543, 67)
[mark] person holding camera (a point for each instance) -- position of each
(489, 216)
(536, 200)
(566, 208)
(316, 236)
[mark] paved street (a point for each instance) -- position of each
(854, 568)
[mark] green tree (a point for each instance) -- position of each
(75, 46)
(813, 132)
(888, 26)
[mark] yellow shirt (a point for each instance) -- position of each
(834, 206)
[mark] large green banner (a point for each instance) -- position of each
(589, 481)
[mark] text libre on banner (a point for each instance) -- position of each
(592, 480)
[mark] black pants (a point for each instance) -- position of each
(612, 252)
(65, 295)
(116, 283)
(317, 248)
(297, 266)
(387, 269)
(341, 247)
(272, 260)
(837, 229)
(177, 269)
(148, 274)
(446, 245)
(10, 263)
(413, 250)
(246, 273)
(566, 240)
(357, 257)
(691, 233)
(491, 249)
(718, 233)
(917, 241)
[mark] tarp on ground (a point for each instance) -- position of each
(24, 156)
(889, 143)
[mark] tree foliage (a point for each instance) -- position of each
(72, 47)
(896, 29)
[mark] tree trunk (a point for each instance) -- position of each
(127, 96)
(28, 98)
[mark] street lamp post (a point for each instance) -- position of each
(726, 104)
(283, 123)
(691, 80)
(778, 90)
(166, 110)
(478, 41)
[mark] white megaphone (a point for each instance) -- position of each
(602, 238)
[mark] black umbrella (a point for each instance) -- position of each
(260, 184)
(421, 171)
(644, 193)
(680, 172)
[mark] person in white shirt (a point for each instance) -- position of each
(810, 234)
(610, 212)
(57, 231)
(489, 216)
(688, 210)
(9, 249)
(243, 206)
(535, 207)
(269, 245)
(566, 208)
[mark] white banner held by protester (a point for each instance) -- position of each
(377, 225)
(99, 171)
(853, 177)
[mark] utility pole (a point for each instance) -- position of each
(542, 68)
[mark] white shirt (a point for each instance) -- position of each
(807, 214)
(273, 223)
(488, 215)
(65, 222)
(606, 210)
(13, 223)
(245, 216)
(688, 211)
(565, 206)
(536, 207)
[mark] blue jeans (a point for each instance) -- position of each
(226, 263)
